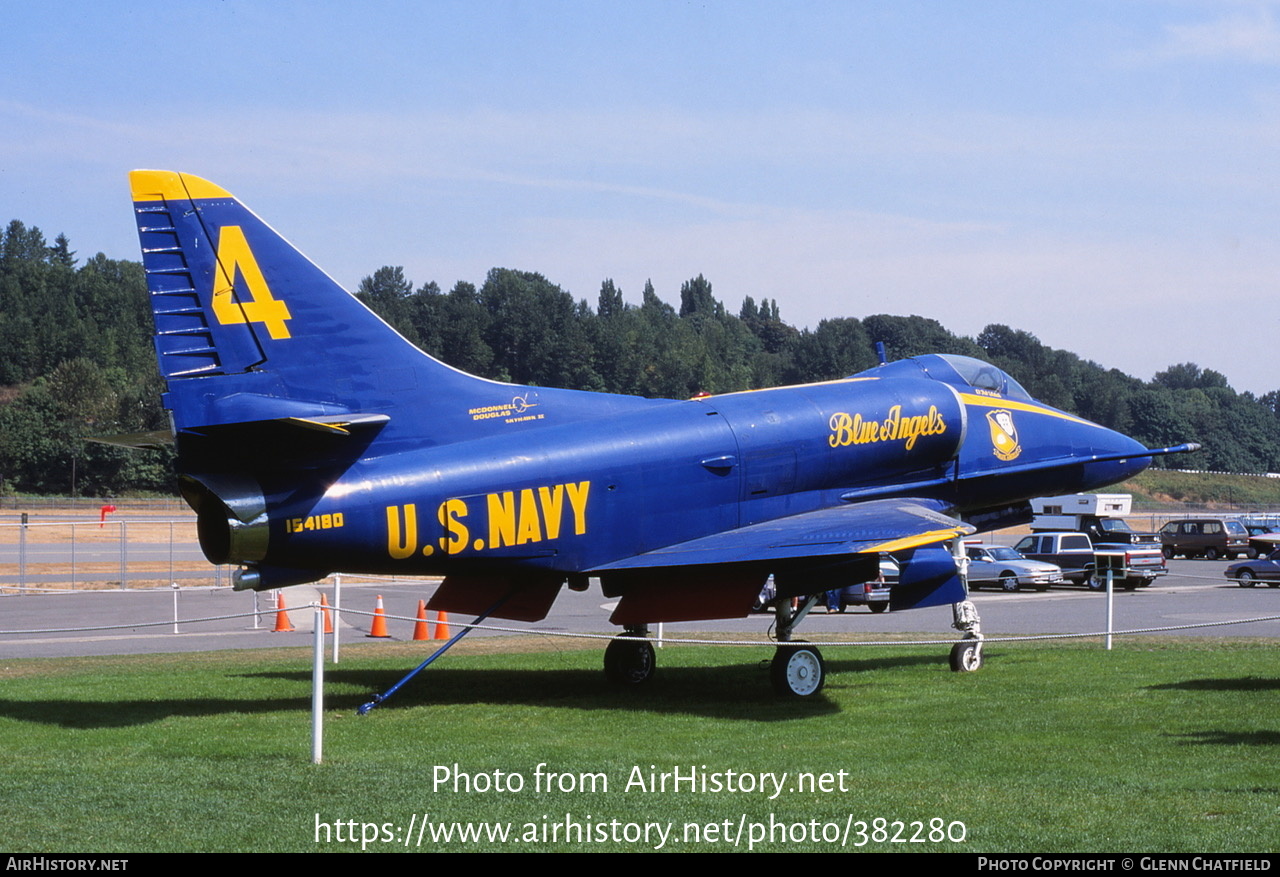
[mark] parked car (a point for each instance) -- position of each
(999, 565)
(1263, 538)
(1209, 538)
(874, 595)
(1077, 555)
(1260, 569)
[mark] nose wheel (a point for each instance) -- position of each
(966, 656)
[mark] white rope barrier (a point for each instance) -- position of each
(524, 631)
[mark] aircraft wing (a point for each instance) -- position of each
(884, 525)
(719, 576)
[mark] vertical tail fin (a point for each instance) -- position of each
(248, 329)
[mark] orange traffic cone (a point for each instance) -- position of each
(442, 625)
(379, 627)
(328, 617)
(282, 615)
(420, 628)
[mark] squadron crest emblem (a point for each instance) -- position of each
(1004, 435)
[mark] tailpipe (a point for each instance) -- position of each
(231, 517)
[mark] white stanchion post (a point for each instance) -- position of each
(124, 557)
(1111, 609)
(22, 555)
(337, 612)
(317, 688)
(1116, 563)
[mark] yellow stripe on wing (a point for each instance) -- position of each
(907, 542)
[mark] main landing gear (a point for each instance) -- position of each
(629, 661)
(797, 669)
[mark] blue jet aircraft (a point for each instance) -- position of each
(312, 438)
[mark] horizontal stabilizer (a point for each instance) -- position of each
(147, 441)
(338, 424)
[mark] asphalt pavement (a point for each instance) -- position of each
(142, 621)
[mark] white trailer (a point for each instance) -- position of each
(1079, 511)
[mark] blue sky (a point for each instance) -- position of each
(1104, 175)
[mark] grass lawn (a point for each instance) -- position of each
(1160, 746)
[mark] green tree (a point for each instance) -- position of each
(387, 292)
(609, 304)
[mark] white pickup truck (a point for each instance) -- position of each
(1076, 554)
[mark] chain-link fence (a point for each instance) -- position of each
(59, 547)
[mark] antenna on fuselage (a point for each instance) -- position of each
(884, 360)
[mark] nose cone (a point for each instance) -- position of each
(1117, 458)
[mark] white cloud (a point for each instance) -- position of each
(1247, 34)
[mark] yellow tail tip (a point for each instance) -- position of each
(172, 186)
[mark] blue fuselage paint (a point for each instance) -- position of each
(576, 496)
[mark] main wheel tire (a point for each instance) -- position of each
(878, 607)
(629, 662)
(797, 670)
(1245, 578)
(1009, 582)
(966, 656)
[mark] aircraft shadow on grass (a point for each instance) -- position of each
(1220, 737)
(724, 692)
(730, 691)
(1233, 738)
(1242, 683)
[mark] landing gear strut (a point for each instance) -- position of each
(966, 656)
(629, 661)
(797, 669)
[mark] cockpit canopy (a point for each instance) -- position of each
(962, 372)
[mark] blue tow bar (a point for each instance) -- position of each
(364, 708)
